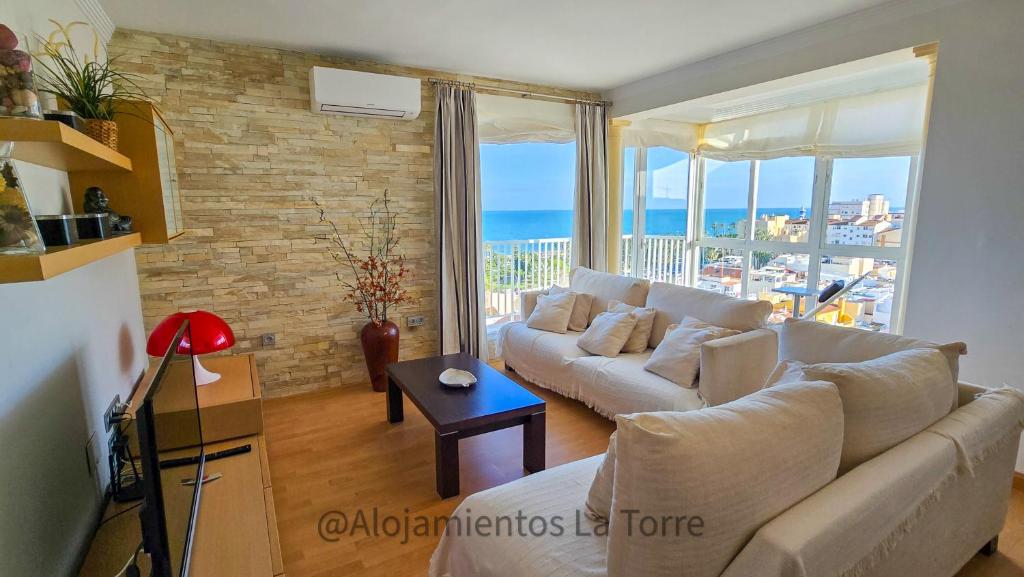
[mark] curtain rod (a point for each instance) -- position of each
(521, 93)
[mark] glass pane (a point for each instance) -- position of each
(726, 190)
(668, 178)
(869, 304)
(781, 279)
(868, 200)
(628, 198)
(721, 270)
(784, 190)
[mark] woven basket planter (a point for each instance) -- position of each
(104, 131)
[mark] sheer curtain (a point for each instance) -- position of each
(590, 214)
(457, 186)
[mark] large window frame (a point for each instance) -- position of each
(815, 246)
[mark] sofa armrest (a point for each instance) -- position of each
(528, 302)
(736, 366)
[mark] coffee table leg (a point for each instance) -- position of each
(396, 413)
(446, 464)
(533, 443)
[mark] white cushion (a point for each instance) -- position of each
(677, 357)
(621, 386)
(552, 312)
(787, 371)
(674, 302)
(607, 334)
(735, 467)
(637, 342)
(606, 286)
(599, 498)
(541, 357)
(580, 317)
(887, 400)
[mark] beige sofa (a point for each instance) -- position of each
(921, 509)
(729, 368)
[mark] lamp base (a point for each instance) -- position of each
(203, 376)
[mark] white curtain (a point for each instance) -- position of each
(590, 215)
(457, 186)
(510, 120)
(653, 132)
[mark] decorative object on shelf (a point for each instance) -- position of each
(19, 233)
(57, 229)
(376, 283)
(96, 202)
(457, 378)
(207, 333)
(67, 117)
(87, 85)
(17, 88)
(93, 225)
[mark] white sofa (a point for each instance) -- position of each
(922, 508)
(729, 368)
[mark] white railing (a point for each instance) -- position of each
(513, 266)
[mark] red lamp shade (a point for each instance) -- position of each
(208, 333)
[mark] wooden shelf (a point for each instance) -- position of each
(59, 260)
(56, 145)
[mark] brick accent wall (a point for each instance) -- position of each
(250, 155)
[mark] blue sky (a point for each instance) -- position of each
(541, 177)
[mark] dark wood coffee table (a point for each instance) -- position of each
(494, 402)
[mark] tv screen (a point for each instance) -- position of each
(171, 447)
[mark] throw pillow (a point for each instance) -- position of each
(887, 400)
(580, 309)
(599, 499)
(637, 342)
(718, 474)
(607, 334)
(552, 313)
(677, 357)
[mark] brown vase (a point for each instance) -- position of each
(380, 347)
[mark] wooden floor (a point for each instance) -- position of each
(335, 452)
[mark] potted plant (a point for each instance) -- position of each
(86, 85)
(375, 285)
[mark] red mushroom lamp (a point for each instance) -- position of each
(208, 333)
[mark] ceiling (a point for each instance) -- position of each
(582, 44)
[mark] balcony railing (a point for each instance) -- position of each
(513, 266)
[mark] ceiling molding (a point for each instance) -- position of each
(98, 18)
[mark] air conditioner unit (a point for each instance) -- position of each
(351, 93)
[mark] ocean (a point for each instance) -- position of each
(540, 224)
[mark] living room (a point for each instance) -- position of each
(408, 281)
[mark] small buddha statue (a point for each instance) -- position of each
(96, 202)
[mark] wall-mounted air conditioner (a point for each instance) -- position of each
(351, 93)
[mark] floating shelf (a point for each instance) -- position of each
(57, 145)
(61, 259)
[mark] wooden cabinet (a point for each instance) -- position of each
(149, 193)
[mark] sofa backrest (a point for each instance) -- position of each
(673, 302)
(607, 286)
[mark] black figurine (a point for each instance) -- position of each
(96, 202)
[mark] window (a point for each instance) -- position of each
(656, 183)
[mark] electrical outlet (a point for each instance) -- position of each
(92, 461)
(415, 321)
(268, 339)
(108, 415)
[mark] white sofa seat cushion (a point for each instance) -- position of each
(559, 492)
(735, 466)
(608, 333)
(580, 317)
(887, 400)
(606, 287)
(552, 312)
(621, 386)
(674, 302)
(677, 357)
(541, 357)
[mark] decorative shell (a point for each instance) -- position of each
(457, 378)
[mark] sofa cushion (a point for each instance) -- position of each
(725, 470)
(638, 340)
(552, 312)
(673, 302)
(786, 371)
(887, 400)
(608, 334)
(606, 286)
(621, 386)
(677, 357)
(580, 317)
(541, 357)
(599, 498)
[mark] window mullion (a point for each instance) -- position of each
(819, 219)
(639, 209)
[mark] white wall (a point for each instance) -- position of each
(68, 345)
(967, 282)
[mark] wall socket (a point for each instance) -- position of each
(268, 339)
(415, 321)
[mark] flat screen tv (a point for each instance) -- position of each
(171, 450)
